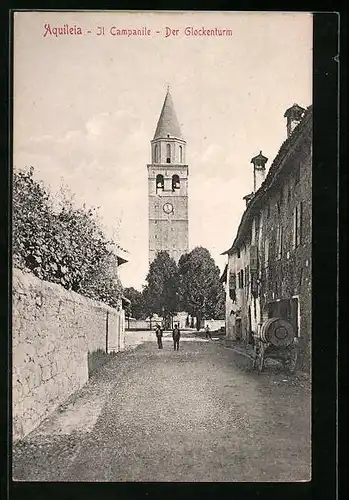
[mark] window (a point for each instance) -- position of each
(168, 153)
(238, 253)
(156, 154)
(175, 182)
(180, 154)
(297, 225)
(160, 182)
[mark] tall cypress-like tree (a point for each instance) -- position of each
(161, 291)
(200, 290)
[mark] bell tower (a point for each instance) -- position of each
(168, 187)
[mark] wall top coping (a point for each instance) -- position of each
(22, 280)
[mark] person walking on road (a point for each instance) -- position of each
(176, 335)
(208, 332)
(159, 333)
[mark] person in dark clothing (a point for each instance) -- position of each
(159, 333)
(176, 335)
(208, 332)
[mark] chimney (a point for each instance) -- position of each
(293, 116)
(248, 198)
(259, 162)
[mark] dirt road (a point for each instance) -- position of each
(197, 414)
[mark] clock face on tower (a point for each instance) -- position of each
(167, 208)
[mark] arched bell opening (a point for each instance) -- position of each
(160, 183)
(175, 182)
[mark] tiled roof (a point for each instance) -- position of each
(168, 124)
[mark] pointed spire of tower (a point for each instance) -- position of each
(168, 125)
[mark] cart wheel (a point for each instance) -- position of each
(292, 360)
(260, 360)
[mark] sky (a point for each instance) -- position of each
(86, 108)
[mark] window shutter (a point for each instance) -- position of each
(266, 252)
(299, 224)
(232, 281)
(253, 258)
(279, 241)
(294, 232)
(254, 285)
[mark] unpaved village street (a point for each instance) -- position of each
(197, 414)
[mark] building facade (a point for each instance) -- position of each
(268, 272)
(168, 187)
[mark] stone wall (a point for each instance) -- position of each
(54, 333)
(139, 324)
(214, 324)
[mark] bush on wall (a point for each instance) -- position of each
(64, 245)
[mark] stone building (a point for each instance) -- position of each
(269, 263)
(168, 187)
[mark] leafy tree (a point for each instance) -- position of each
(136, 308)
(30, 221)
(201, 293)
(62, 244)
(102, 282)
(161, 292)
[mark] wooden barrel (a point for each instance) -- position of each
(277, 331)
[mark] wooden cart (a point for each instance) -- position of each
(276, 340)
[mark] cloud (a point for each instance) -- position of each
(211, 153)
(42, 138)
(107, 145)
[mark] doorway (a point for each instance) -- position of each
(238, 330)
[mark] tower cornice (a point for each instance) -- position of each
(168, 139)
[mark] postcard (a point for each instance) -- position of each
(162, 248)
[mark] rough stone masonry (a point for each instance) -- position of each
(53, 333)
